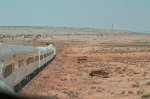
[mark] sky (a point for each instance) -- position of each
(131, 15)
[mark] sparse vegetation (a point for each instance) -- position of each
(126, 58)
(136, 84)
(147, 96)
(147, 84)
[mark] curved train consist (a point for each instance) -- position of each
(18, 64)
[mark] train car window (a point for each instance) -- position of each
(41, 57)
(47, 54)
(20, 63)
(51, 52)
(29, 60)
(8, 70)
(44, 55)
(37, 58)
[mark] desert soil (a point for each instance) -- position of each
(124, 59)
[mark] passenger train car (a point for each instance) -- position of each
(18, 64)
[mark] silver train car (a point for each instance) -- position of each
(19, 64)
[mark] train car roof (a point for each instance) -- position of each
(45, 48)
(21, 48)
(5, 51)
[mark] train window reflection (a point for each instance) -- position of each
(8, 70)
(20, 63)
(29, 60)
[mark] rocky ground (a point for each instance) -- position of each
(90, 63)
(115, 67)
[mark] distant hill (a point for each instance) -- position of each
(13, 30)
(145, 32)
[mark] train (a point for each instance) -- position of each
(20, 63)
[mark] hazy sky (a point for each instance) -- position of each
(124, 14)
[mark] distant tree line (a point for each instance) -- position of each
(24, 36)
